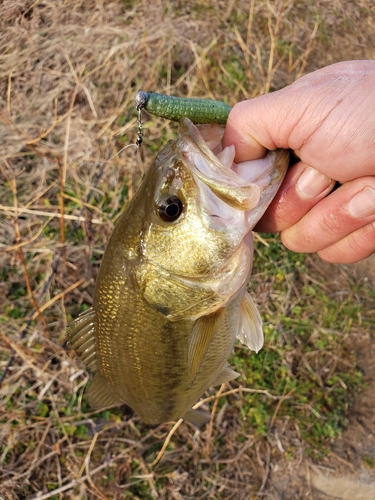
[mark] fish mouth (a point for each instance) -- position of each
(248, 186)
(198, 153)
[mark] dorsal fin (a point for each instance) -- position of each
(81, 338)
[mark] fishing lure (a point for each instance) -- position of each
(199, 111)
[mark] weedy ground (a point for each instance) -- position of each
(68, 74)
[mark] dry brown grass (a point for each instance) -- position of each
(68, 74)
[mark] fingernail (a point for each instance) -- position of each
(363, 203)
(312, 183)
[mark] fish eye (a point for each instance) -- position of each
(169, 208)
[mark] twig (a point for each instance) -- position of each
(32, 315)
(202, 402)
(57, 297)
(278, 406)
(77, 218)
(166, 442)
(250, 24)
(240, 389)
(86, 466)
(84, 478)
(62, 211)
(30, 7)
(56, 264)
(245, 447)
(23, 353)
(36, 453)
(26, 242)
(13, 186)
(73, 483)
(44, 133)
(149, 477)
(267, 471)
(211, 422)
(342, 460)
(8, 92)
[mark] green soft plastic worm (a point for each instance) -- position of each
(199, 111)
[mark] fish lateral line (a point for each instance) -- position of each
(199, 111)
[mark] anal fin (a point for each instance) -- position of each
(197, 417)
(226, 375)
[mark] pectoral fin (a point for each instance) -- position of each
(226, 375)
(197, 417)
(250, 330)
(81, 338)
(99, 395)
(200, 338)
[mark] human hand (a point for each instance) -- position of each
(328, 118)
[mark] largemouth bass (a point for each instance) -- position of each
(171, 296)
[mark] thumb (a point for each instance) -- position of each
(327, 115)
